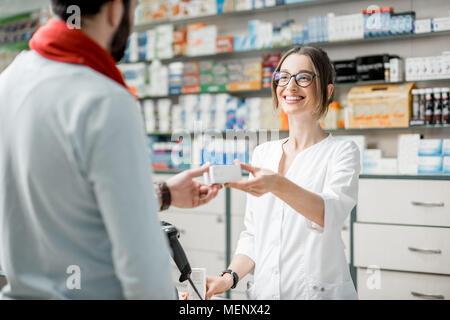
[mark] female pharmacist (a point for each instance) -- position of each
(300, 191)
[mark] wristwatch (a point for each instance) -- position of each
(164, 196)
(234, 275)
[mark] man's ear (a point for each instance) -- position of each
(330, 91)
(114, 10)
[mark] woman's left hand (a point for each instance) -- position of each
(264, 181)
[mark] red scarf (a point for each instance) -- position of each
(55, 41)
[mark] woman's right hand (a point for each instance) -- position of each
(218, 285)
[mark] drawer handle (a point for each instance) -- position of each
(427, 204)
(435, 251)
(344, 228)
(428, 296)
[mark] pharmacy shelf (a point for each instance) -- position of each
(259, 52)
(361, 176)
(405, 177)
(233, 14)
(333, 131)
(267, 91)
(388, 129)
(365, 83)
(241, 93)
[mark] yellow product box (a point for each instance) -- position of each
(383, 105)
(252, 67)
(244, 86)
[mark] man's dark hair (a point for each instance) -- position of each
(92, 7)
(87, 7)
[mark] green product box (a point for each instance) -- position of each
(213, 88)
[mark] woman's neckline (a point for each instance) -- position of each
(307, 148)
(298, 153)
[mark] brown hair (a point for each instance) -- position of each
(325, 75)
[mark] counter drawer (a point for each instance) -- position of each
(415, 202)
(391, 285)
(404, 248)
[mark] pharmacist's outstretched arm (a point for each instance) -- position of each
(241, 264)
(185, 192)
(310, 205)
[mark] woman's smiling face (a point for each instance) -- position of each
(292, 98)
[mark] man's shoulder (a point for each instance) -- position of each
(72, 79)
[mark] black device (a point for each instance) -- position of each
(178, 254)
(372, 68)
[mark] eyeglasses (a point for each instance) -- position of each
(302, 79)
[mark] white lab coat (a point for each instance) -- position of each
(294, 257)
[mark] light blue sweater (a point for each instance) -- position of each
(78, 212)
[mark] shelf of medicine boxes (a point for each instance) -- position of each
(267, 91)
(406, 177)
(361, 176)
(232, 14)
(258, 52)
(339, 131)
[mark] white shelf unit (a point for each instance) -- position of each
(401, 239)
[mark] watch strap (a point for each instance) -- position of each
(164, 195)
(234, 275)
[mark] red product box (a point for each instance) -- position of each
(224, 44)
(179, 36)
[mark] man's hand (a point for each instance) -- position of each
(188, 193)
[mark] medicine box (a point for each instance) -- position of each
(430, 165)
(379, 106)
(423, 26)
(380, 166)
(430, 147)
(370, 154)
(441, 24)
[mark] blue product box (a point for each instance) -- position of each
(220, 6)
(253, 27)
(240, 43)
(446, 147)
(242, 157)
(325, 28)
(175, 90)
(370, 166)
(430, 165)
(231, 119)
(229, 158)
(142, 54)
(251, 42)
(241, 115)
(430, 147)
(306, 33)
(446, 165)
